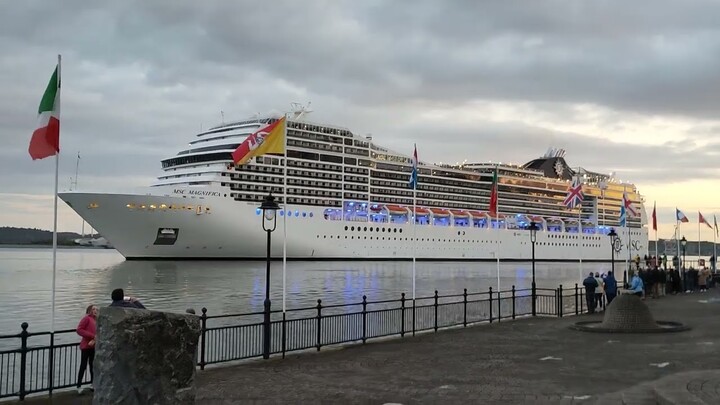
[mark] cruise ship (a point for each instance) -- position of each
(344, 196)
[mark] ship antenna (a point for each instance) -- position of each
(222, 116)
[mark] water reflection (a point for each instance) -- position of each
(88, 276)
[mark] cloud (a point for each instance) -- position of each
(630, 88)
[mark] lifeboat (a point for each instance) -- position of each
(440, 212)
(376, 208)
(459, 213)
(421, 211)
(535, 218)
(396, 209)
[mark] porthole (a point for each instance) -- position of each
(352, 228)
(346, 228)
(365, 229)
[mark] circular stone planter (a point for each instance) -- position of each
(628, 314)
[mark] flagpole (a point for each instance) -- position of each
(627, 226)
(414, 239)
(414, 217)
(580, 232)
(497, 196)
(55, 209)
(714, 266)
(284, 265)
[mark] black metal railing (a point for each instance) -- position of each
(45, 361)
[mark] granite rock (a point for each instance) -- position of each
(145, 357)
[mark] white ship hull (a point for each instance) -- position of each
(233, 230)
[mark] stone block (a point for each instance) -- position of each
(145, 357)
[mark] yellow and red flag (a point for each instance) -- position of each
(269, 139)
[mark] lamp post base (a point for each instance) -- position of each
(534, 298)
(266, 329)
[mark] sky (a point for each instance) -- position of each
(625, 87)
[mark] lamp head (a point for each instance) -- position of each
(683, 241)
(533, 228)
(612, 234)
(269, 207)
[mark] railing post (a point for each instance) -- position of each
(51, 364)
(319, 322)
(203, 336)
(561, 302)
(364, 318)
(23, 358)
(577, 305)
(499, 317)
(513, 301)
(284, 334)
(402, 315)
(464, 306)
(436, 310)
(490, 301)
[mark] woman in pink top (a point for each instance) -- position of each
(86, 329)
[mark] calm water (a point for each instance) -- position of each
(87, 276)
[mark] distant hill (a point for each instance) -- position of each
(28, 236)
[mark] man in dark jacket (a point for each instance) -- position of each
(590, 285)
(119, 300)
(610, 287)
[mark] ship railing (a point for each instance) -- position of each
(43, 362)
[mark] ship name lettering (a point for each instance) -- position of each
(197, 192)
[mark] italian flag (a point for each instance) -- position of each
(45, 140)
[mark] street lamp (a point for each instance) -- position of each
(269, 221)
(683, 242)
(613, 235)
(533, 228)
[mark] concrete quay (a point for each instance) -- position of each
(527, 361)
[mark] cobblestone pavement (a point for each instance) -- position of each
(529, 361)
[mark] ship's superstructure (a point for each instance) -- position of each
(349, 198)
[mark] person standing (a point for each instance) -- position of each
(599, 292)
(86, 330)
(610, 287)
(590, 284)
(703, 279)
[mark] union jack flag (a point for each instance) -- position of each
(575, 194)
